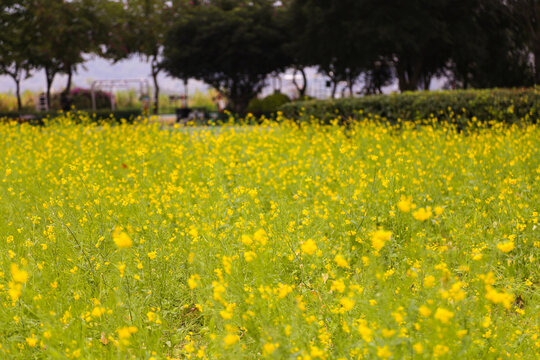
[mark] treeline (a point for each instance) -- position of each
(234, 45)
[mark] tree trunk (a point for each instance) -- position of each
(334, 88)
(537, 66)
(240, 102)
(18, 93)
(65, 101)
(67, 90)
(426, 81)
(49, 77)
(301, 89)
(239, 97)
(155, 71)
(186, 81)
(408, 74)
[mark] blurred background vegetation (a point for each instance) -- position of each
(236, 46)
(125, 99)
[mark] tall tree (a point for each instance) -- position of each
(231, 45)
(150, 20)
(15, 41)
(526, 15)
(488, 48)
(413, 36)
(63, 33)
(330, 35)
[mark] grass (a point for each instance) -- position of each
(275, 241)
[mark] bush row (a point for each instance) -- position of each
(268, 105)
(505, 105)
(99, 115)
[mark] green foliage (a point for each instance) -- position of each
(15, 41)
(8, 101)
(505, 105)
(82, 99)
(116, 116)
(268, 105)
(202, 100)
(255, 106)
(232, 46)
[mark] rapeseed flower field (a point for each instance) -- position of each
(283, 241)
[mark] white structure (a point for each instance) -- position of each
(110, 85)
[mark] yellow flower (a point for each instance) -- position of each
(193, 231)
(231, 339)
(193, 281)
(383, 352)
(284, 290)
(443, 315)
(506, 247)
(338, 285)
(315, 352)
(126, 332)
(249, 256)
(152, 316)
(440, 350)
(418, 348)
(246, 240)
(121, 239)
(388, 332)
(260, 236)
(309, 247)
(269, 348)
(424, 311)
(152, 255)
(405, 204)
(422, 214)
(340, 261)
(347, 303)
(218, 290)
(379, 238)
(499, 297)
(19, 276)
(438, 210)
(31, 341)
(98, 311)
(365, 332)
(429, 281)
(228, 313)
(121, 268)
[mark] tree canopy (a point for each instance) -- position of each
(234, 45)
(231, 45)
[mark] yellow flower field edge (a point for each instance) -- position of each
(276, 241)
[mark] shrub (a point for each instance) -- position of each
(504, 105)
(82, 99)
(268, 105)
(129, 115)
(255, 106)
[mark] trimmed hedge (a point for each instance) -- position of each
(459, 106)
(100, 115)
(268, 105)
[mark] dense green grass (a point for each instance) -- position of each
(278, 241)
